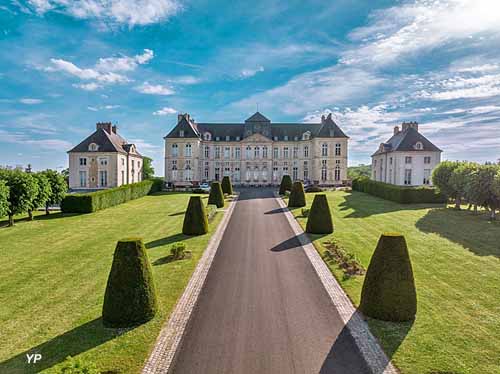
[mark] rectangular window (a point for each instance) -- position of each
(207, 151)
(237, 153)
(83, 161)
(390, 160)
(337, 149)
(374, 162)
(306, 151)
(427, 176)
(257, 152)
(427, 159)
(285, 152)
(324, 150)
(275, 174)
(337, 173)
(227, 138)
(217, 152)
(187, 152)
(206, 173)
(295, 173)
(295, 152)
(227, 151)
(123, 177)
(175, 150)
(237, 173)
(181, 133)
(408, 160)
(276, 153)
(83, 179)
(264, 152)
(407, 180)
(103, 161)
(103, 178)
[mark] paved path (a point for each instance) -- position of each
(263, 309)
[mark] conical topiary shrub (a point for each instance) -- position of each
(286, 184)
(195, 218)
(389, 288)
(216, 196)
(297, 196)
(227, 187)
(319, 220)
(130, 297)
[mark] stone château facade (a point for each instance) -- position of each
(256, 152)
(104, 160)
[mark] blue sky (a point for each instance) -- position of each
(67, 64)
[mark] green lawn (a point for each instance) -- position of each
(54, 273)
(456, 261)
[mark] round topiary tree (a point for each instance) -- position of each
(319, 220)
(389, 288)
(216, 196)
(286, 184)
(195, 218)
(297, 196)
(130, 297)
(227, 187)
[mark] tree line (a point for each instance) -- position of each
(470, 182)
(24, 192)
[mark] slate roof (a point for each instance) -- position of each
(107, 142)
(327, 128)
(405, 141)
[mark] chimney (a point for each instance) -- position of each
(180, 116)
(329, 116)
(322, 118)
(396, 130)
(409, 125)
(114, 128)
(106, 126)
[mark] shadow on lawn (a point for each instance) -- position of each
(54, 351)
(41, 217)
(167, 240)
(365, 205)
(344, 355)
(475, 233)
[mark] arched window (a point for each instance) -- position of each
(207, 136)
(419, 146)
(324, 150)
(93, 147)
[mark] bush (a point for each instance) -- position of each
(177, 250)
(227, 187)
(285, 185)
(94, 201)
(199, 191)
(389, 289)
(314, 189)
(78, 366)
(399, 194)
(305, 212)
(211, 211)
(297, 196)
(319, 220)
(195, 218)
(130, 297)
(216, 196)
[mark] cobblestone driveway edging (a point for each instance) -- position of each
(170, 338)
(375, 357)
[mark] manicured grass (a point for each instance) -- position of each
(54, 273)
(456, 262)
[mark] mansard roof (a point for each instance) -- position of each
(107, 140)
(406, 140)
(327, 128)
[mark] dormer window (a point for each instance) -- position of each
(93, 147)
(419, 146)
(207, 136)
(181, 133)
(286, 137)
(237, 138)
(227, 138)
(275, 138)
(306, 135)
(217, 138)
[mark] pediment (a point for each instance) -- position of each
(257, 138)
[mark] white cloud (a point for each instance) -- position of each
(85, 74)
(128, 12)
(28, 101)
(247, 73)
(25, 140)
(165, 111)
(154, 89)
(106, 107)
(87, 86)
(124, 63)
(184, 79)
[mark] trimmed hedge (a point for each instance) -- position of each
(297, 196)
(285, 185)
(389, 288)
(227, 187)
(94, 201)
(399, 194)
(319, 220)
(130, 297)
(216, 196)
(195, 218)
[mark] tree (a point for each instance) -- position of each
(130, 297)
(285, 185)
(227, 187)
(441, 178)
(195, 218)
(488, 179)
(472, 190)
(216, 196)
(458, 181)
(58, 188)
(319, 220)
(43, 194)
(147, 168)
(388, 291)
(297, 197)
(22, 190)
(4, 199)
(354, 172)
